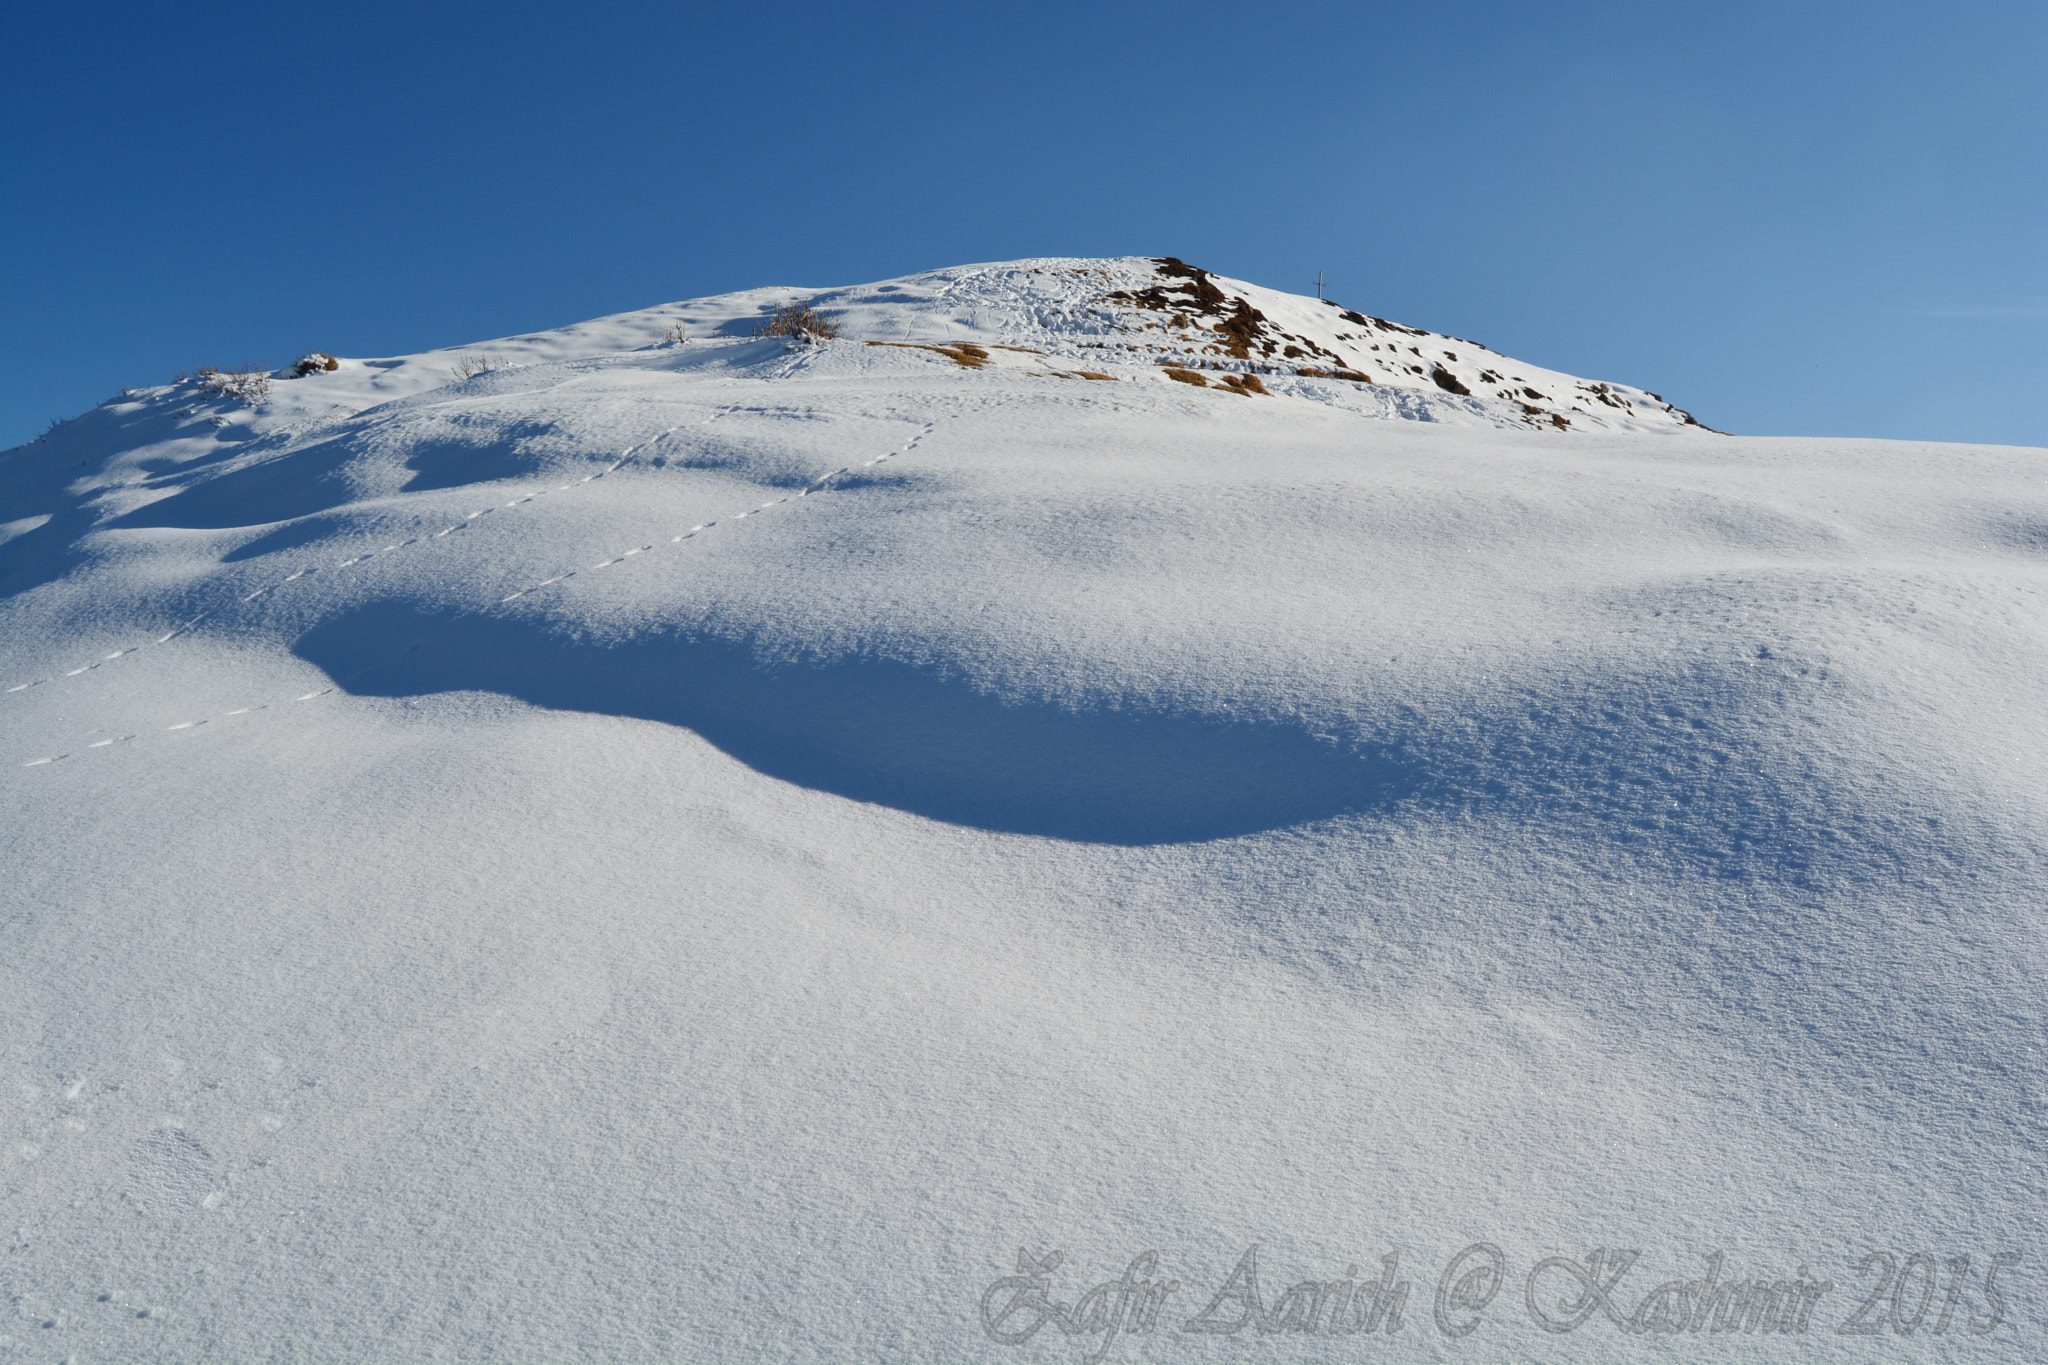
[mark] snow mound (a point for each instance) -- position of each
(651, 841)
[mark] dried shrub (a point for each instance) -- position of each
(470, 366)
(250, 383)
(1448, 382)
(313, 362)
(798, 319)
(674, 335)
(1246, 384)
(1091, 374)
(1353, 375)
(1186, 376)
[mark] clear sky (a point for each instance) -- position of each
(1789, 217)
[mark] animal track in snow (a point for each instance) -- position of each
(816, 485)
(170, 1172)
(364, 558)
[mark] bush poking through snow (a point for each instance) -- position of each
(798, 319)
(470, 366)
(313, 362)
(250, 383)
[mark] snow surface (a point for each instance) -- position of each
(687, 846)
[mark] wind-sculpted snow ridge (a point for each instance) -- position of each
(683, 844)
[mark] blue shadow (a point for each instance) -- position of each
(886, 732)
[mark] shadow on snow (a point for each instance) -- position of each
(886, 732)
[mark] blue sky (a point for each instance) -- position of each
(1791, 218)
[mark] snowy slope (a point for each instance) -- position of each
(692, 846)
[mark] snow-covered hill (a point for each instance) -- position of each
(688, 845)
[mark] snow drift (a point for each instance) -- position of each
(683, 844)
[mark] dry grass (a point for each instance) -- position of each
(960, 353)
(1241, 329)
(674, 335)
(968, 356)
(798, 319)
(1068, 374)
(1228, 381)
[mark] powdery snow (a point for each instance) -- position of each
(689, 846)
